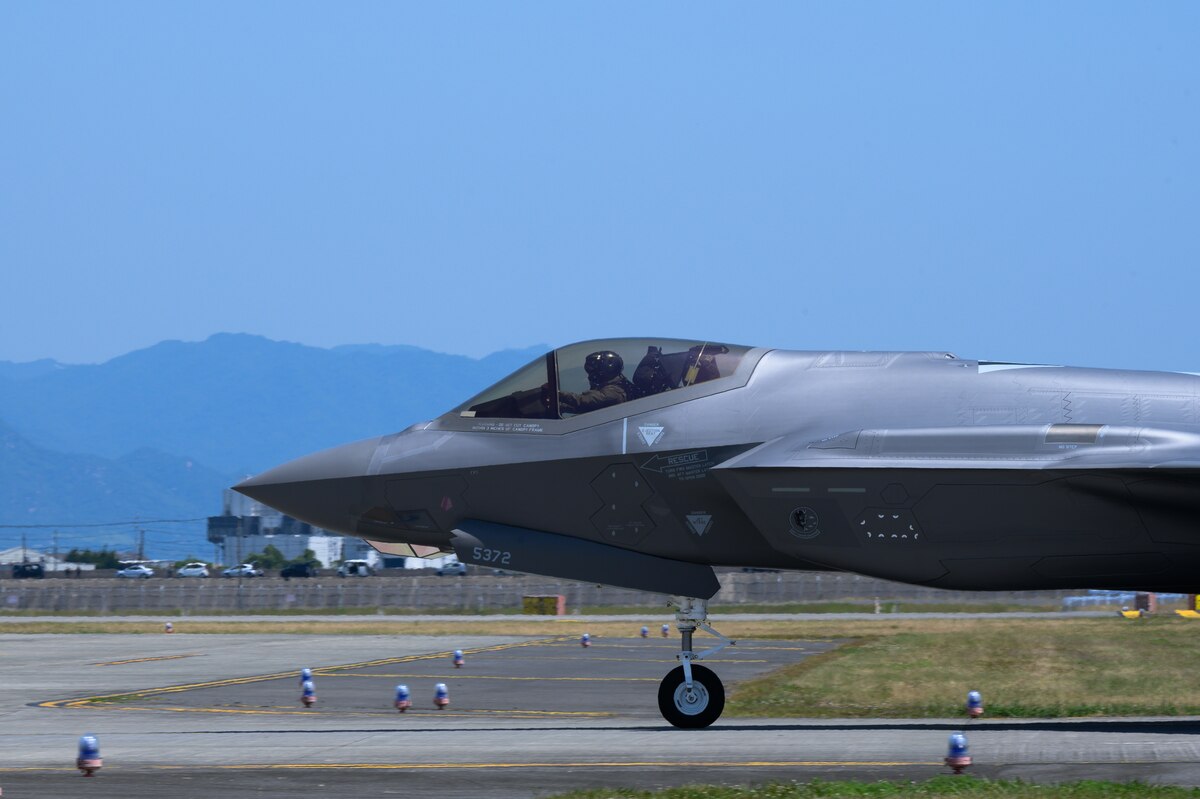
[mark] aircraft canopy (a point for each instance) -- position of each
(584, 377)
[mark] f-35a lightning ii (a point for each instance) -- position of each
(643, 463)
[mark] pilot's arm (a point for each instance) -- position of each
(592, 399)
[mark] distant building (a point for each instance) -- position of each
(49, 562)
(246, 528)
(326, 548)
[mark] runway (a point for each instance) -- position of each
(203, 714)
(653, 617)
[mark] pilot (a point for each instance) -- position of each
(607, 386)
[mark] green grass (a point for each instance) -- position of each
(233, 612)
(848, 606)
(937, 788)
(1034, 668)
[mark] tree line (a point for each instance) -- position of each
(269, 558)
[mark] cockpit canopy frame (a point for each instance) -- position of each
(602, 377)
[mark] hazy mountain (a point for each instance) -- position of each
(157, 433)
(240, 403)
(24, 371)
(39, 486)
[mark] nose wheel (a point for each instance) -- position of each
(692, 696)
(691, 707)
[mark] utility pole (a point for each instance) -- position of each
(141, 544)
(24, 549)
(238, 563)
(54, 548)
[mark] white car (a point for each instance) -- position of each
(135, 570)
(193, 570)
(244, 570)
(454, 569)
(354, 568)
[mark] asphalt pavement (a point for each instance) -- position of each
(204, 715)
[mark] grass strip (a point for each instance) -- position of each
(1026, 668)
(937, 788)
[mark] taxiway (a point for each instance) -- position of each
(198, 714)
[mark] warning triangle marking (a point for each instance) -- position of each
(650, 433)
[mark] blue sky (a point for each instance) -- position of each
(1002, 180)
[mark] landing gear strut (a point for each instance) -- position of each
(692, 696)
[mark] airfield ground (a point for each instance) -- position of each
(533, 713)
(945, 787)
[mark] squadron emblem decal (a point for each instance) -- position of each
(805, 523)
(699, 522)
(650, 433)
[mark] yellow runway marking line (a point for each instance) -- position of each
(459, 676)
(452, 766)
(464, 713)
(146, 660)
(585, 764)
(591, 764)
(590, 658)
(326, 670)
(601, 643)
(1188, 614)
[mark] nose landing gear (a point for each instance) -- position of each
(692, 696)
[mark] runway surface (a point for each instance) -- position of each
(651, 617)
(203, 715)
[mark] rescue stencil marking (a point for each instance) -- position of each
(684, 466)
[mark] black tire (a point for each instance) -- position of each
(708, 695)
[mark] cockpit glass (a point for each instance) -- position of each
(581, 378)
(518, 396)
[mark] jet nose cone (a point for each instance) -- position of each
(323, 489)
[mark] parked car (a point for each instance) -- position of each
(243, 570)
(135, 570)
(354, 568)
(28, 571)
(454, 569)
(193, 570)
(298, 570)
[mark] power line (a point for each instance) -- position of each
(101, 524)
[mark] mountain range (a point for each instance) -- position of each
(159, 432)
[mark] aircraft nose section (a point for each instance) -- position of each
(324, 489)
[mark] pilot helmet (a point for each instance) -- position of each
(602, 366)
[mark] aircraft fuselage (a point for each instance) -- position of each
(918, 467)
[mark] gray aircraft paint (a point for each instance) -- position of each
(1056, 476)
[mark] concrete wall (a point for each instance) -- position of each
(474, 593)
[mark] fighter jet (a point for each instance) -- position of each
(644, 463)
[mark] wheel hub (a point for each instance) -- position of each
(693, 701)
